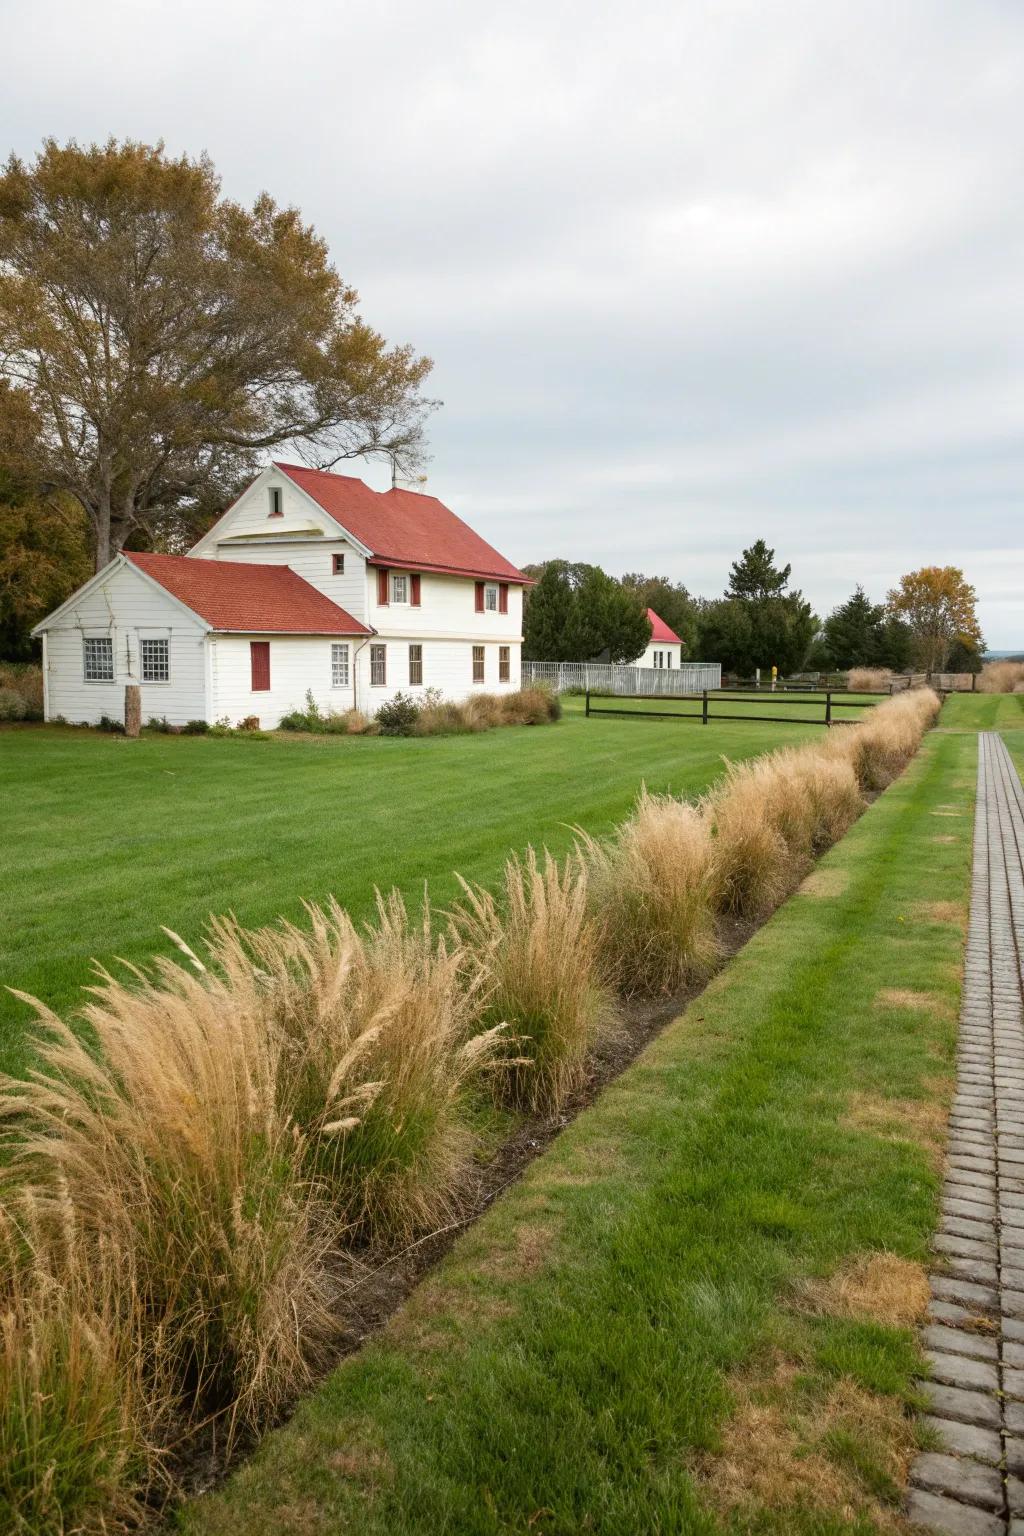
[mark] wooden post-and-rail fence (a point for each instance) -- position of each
(709, 711)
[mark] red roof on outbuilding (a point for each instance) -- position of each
(403, 527)
(660, 630)
(235, 596)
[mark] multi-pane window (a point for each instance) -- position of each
(478, 663)
(491, 599)
(339, 666)
(276, 505)
(338, 564)
(399, 589)
(98, 659)
(504, 663)
(415, 666)
(378, 665)
(156, 660)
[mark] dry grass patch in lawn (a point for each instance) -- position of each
(825, 883)
(922, 1121)
(906, 997)
(881, 1287)
(788, 1449)
(941, 912)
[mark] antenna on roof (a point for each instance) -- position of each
(394, 473)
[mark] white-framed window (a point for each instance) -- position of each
(415, 666)
(338, 565)
(156, 659)
(339, 665)
(276, 502)
(98, 658)
(490, 598)
(478, 663)
(399, 588)
(378, 665)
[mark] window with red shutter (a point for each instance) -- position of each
(479, 597)
(414, 589)
(382, 588)
(259, 663)
(503, 597)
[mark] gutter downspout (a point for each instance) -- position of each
(355, 666)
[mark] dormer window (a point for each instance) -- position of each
(276, 507)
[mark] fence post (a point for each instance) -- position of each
(587, 716)
(828, 707)
(704, 709)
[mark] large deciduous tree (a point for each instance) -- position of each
(157, 339)
(939, 607)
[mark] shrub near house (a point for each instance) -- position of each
(310, 582)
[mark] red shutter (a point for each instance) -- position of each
(479, 597)
(414, 589)
(503, 597)
(382, 588)
(259, 661)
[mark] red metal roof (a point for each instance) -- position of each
(403, 527)
(247, 599)
(660, 630)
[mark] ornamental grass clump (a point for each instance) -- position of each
(651, 887)
(755, 862)
(169, 1141)
(381, 1053)
(80, 1404)
(534, 954)
(1001, 677)
(881, 746)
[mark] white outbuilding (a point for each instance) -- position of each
(665, 648)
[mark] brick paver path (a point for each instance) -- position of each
(975, 1336)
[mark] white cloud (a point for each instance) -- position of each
(692, 273)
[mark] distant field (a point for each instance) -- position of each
(106, 839)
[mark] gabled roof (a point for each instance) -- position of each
(660, 630)
(241, 598)
(403, 527)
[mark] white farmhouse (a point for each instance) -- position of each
(309, 581)
(665, 648)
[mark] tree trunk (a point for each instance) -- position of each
(100, 517)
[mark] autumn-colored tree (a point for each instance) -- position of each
(939, 606)
(44, 555)
(157, 339)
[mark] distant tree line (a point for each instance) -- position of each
(577, 612)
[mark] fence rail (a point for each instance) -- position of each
(710, 700)
(652, 682)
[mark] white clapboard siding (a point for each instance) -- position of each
(298, 663)
(447, 665)
(126, 606)
(313, 561)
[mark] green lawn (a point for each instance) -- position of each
(626, 1336)
(106, 839)
(984, 712)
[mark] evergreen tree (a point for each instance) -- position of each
(578, 613)
(754, 574)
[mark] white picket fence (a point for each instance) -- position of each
(691, 677)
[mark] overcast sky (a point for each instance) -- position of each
(692, 273)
